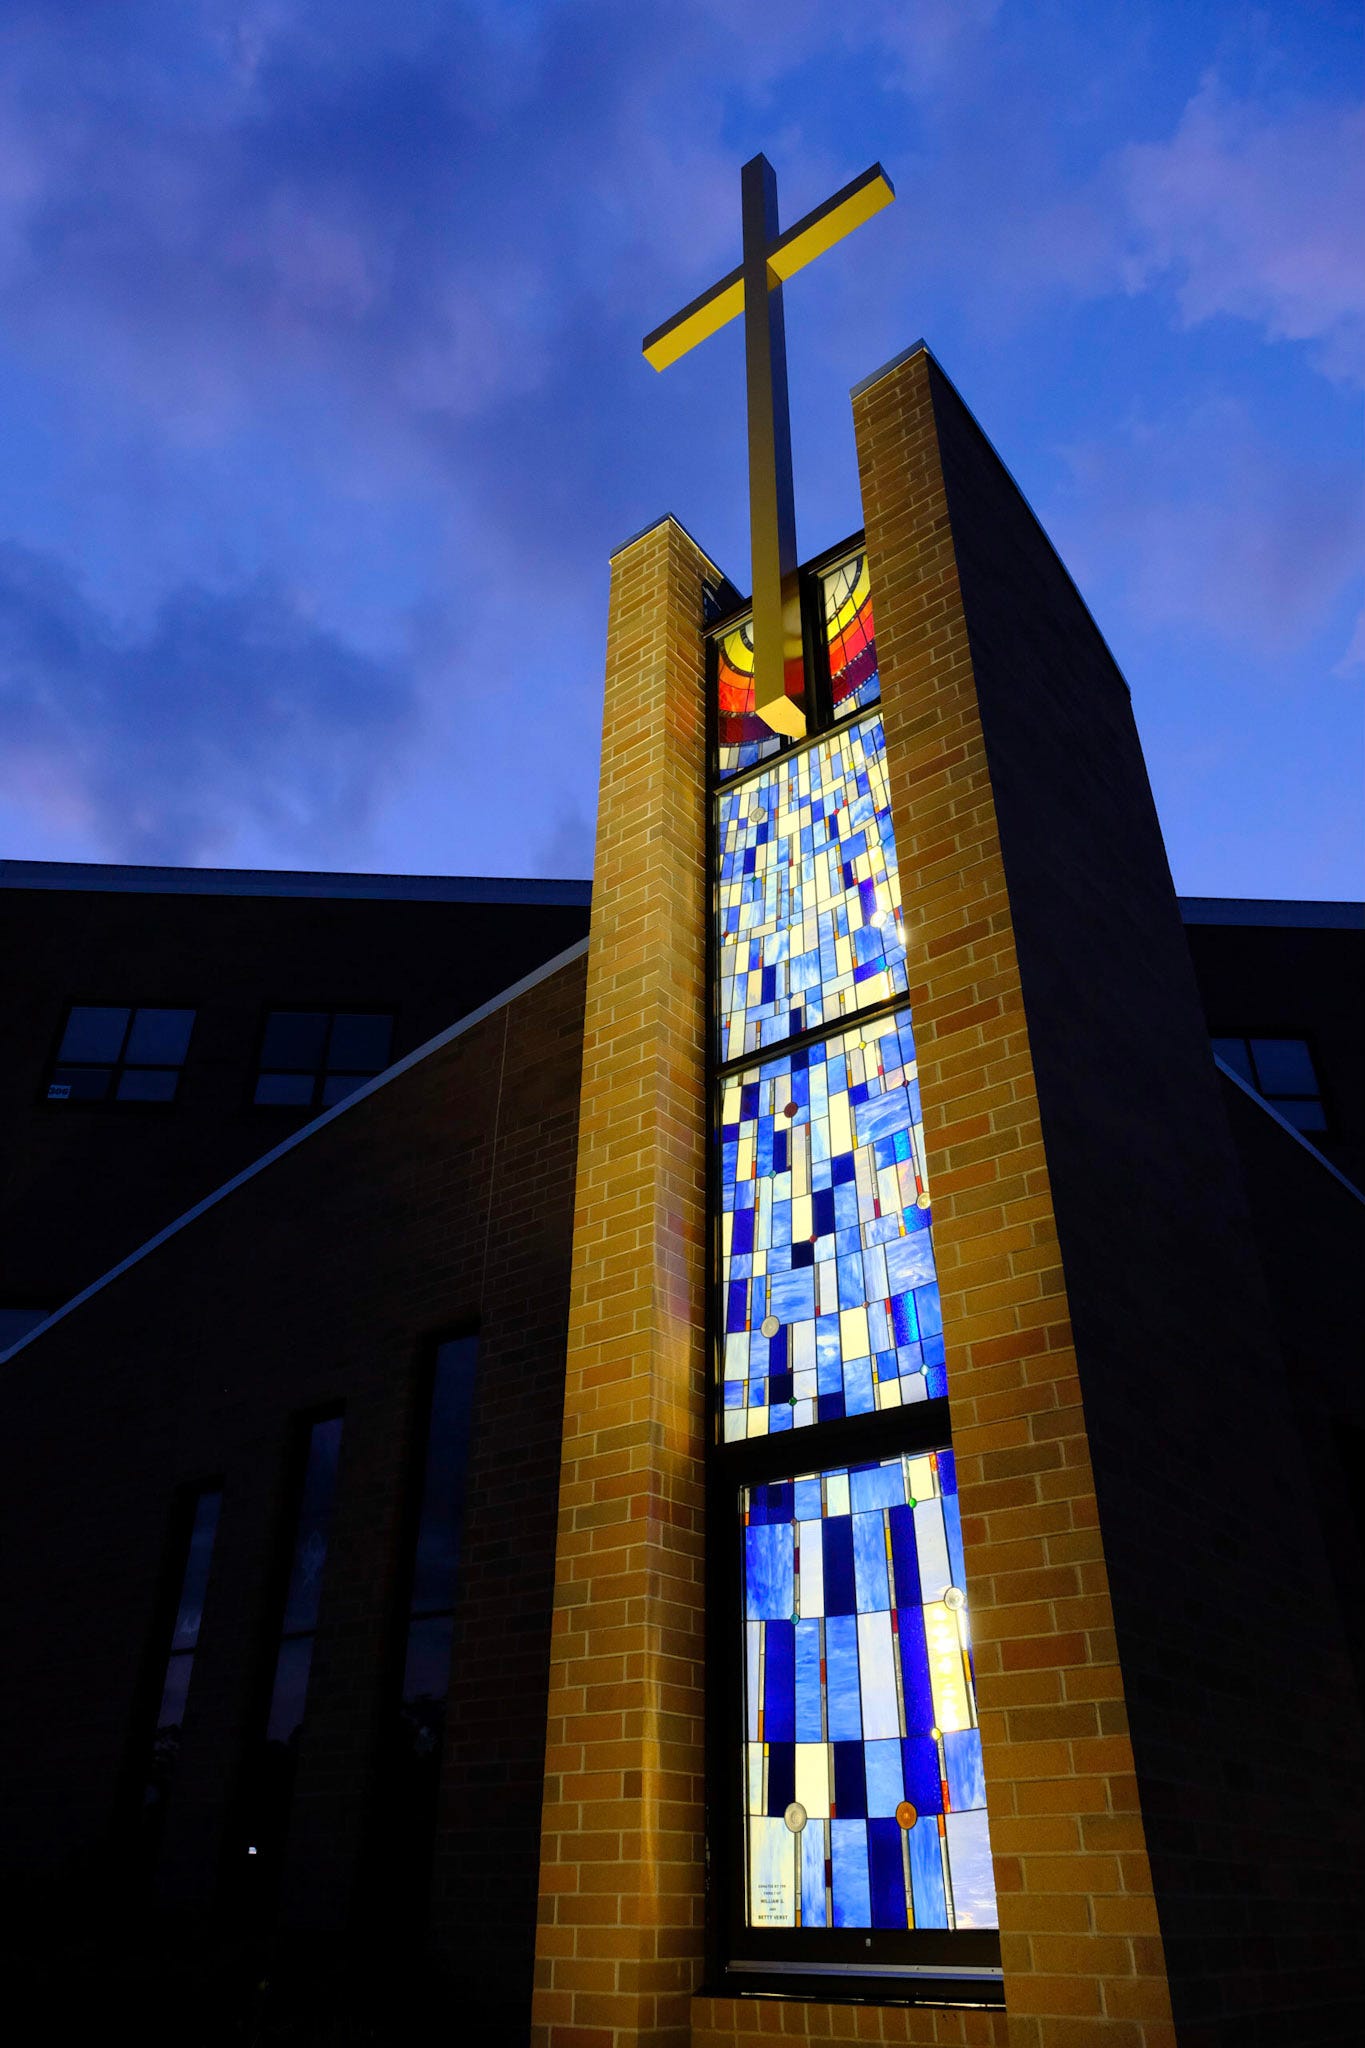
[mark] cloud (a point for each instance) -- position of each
(1257, 215)
(233, 711)
(1199, 522)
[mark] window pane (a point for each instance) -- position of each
(159, 1038)
(1305, 1115)
(1233, 1053)
(147, 1084)
(79, 1084)
(17, 1322)
(426, 1668)
(360, 1042)
(315, 1515)
(94, 1034)
(295, 1039)
(859, 1704)
(336, 1087)
(290, 1693)
(852, 637)
(829, 1291)
(744, 736)
(809, 904)
(443, 1482)
(294, 1091)
(1284, 1066)
(196, 1571)
(171, 1712)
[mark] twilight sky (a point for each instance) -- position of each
(322, 405)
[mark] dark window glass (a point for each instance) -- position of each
(120, 1054)
(292, 1091)
(403, 1862)
(147, 1084)
(94, 1034)
(1284, 1066)
(360, 1042)
(175, 1684)
(271, 1767)
(17, 1322)
(1282, 1071)
(295, 1040)
(315, 1058)
(1233, 1052)
(159, 1038)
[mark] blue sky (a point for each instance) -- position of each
(322, 404)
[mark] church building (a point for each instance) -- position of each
(775, 1458)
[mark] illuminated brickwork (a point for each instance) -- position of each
(620, 1940)
(1082, 1955)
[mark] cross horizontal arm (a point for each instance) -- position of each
(829, 223)
(791, 252)
(697, 321)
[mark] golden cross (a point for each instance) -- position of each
(755, 289)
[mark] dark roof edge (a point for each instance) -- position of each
(290, 1144)
(1285, 1125)
(663, 520)
(154, 881)
(1271, 910)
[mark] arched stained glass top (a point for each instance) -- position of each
(851, 636)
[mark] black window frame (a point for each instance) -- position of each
(117, 1067)
(955, 1967)
(323, 1072)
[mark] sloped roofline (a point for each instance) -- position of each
(301, 1137)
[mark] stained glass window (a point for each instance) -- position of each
(744, 738)
(851, 637)
(829, 1291)
(866, 1802)
(809, 904)
(196, 1546)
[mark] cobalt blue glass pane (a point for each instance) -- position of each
(832, 1304)
(861, 1713)
(808, 905)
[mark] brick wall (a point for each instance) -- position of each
(1079, 1938)
(620, 1940)
(443, 1197)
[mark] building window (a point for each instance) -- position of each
(1281, 1070)
(112, 1052)
(313, 1058)
(849, 1819)
(195, 1546)
(16, 1323)
(414, 1756)
(271, 1771)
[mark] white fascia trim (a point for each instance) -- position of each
(329, 1116)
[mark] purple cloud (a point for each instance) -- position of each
(232, 711)
(1258, 215)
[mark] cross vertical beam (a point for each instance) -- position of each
(772, 503)
(755, 289)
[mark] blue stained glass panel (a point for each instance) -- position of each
(866, 1802)
(827, 1255)
(808, 902)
